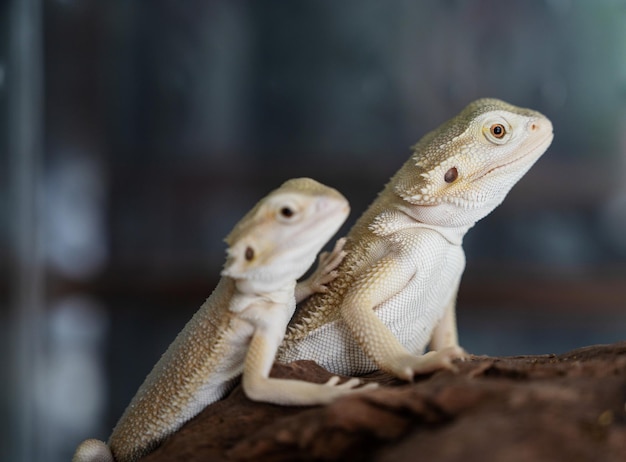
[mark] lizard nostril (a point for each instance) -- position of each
(534, 126)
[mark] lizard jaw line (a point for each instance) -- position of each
(541, 146)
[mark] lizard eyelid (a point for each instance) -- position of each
(497, 131)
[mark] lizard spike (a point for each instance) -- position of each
(406, 266)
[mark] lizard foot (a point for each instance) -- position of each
(349, 385)
(406, 367)
(327, 263)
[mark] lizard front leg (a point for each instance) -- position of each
(324, 273)
(258, 386)
(445, 335)
(380, 283)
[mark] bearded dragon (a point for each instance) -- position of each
(240, 326)
(396, 289)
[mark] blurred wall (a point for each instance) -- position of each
(163, 122)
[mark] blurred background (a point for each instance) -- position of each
(133, 135)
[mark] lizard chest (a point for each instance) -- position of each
(411, 314)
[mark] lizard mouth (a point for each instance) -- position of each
(534, 152)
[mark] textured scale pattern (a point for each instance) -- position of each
(332, 344)
(177, 388)
(395, 290)
(239, 327)
(404, 256)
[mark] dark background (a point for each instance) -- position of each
(134, 134)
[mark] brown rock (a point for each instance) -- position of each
(569, 407)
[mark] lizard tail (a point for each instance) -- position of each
(93, 451)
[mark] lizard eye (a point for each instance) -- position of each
(451, 175)
(287, 212)
(498, 131)
(249, 254)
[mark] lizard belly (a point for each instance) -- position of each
(414, 312)
(411, 315)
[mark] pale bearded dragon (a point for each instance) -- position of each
(240, 326)
(397, 286)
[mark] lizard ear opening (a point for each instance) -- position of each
(249, 254)
(451, 175)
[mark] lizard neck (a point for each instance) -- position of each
(401, 216)
(453, 234)
(265, 288)
(249, 292)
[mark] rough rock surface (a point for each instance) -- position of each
(568, 407)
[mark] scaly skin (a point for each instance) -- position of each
(396, 290)
(240, 326)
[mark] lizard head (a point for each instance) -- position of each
(280, 237)
(462, 170)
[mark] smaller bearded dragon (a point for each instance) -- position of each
(238, 329)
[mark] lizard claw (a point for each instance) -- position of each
(331, 260)
(350, 384)
(326, 268)
(408, 366)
